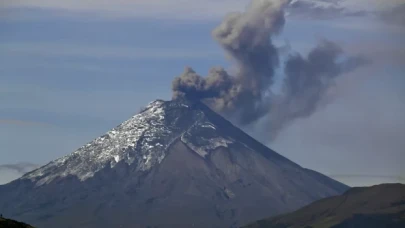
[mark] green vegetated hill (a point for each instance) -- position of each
(372, 207)
(7, 223)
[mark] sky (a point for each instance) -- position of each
(72, 70)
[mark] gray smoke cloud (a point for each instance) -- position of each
(395, 15)
(245, 96)
(194, 86)
(307, 82)
(246, 38)
(307, 79)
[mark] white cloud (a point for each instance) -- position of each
(358, 5)
(370, 5)
(11, 172)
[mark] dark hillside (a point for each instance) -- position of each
(372, 207)
(7, 223)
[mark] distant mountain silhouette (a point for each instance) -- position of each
(7, 223)
(381, 206)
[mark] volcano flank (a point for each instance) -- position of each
(175, 164)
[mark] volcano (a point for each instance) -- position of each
(175, 164)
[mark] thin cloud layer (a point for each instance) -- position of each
(200, 10)
(389, 11)
(153, 9)
(317, 9)
(101, 51)
(22, 123)
(10, 172)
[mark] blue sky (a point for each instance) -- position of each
(72, 71)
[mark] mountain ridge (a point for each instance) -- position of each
(154, 106)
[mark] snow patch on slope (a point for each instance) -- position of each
(208, 138)
(132, 141)
(211, 144)
(142, 142)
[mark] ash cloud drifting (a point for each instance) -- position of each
(307, 82)
(396, 15)
(245, 96)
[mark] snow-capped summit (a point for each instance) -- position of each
(175, 164)
(141, 141)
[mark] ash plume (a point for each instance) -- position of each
(307, 81)
(246, 39)
(193, 86)
(395, 16)
(245, 95)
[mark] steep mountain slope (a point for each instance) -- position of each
(372, 207)
(175, 164)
